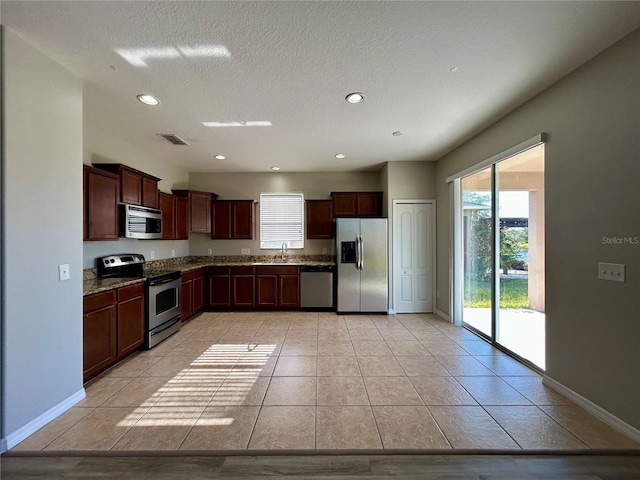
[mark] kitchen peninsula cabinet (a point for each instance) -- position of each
(319, 219)
(232, 219)
(199, 209)
(192, 300)
(277, 287)
(136, 187)
(101, 197)
(357, 204)
(113, 327)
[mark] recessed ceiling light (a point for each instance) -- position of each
(219, 157)
(397, 133)
(355, 97)
(340, 155)
(253, 123)
(275, 168)
(148, 99)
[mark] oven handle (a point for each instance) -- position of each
(169, 325)
(158, 282)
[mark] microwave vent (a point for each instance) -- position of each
(173, 138)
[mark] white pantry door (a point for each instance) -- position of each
(413, 257)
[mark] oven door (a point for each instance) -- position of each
(163, 301)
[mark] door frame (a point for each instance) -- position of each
(392, 234)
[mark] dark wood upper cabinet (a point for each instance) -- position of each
(199, 209)
(221, 219)
(136, 187)
(357, 204)
(150, 192)
(182, 218)
(319, 219)
(101, 198)
(232, 219)
(167, 205)
(242, 219)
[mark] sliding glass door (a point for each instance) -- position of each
(501, 238)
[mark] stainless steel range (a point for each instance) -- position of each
(162, 293)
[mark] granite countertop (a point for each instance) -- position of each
(98, 285)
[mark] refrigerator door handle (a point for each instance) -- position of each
(357, 252)
(361, 252)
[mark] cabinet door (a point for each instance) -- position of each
(220, 219)
(186, 300)
(289, 291)
(243, 291)
(102, 197)
(369, 204)
(130, 325)
(319, 219)
(149, 192)
(98, 340)
(182, 218)
(200, 212)
(198, 294)
(242, 219)
(344, 204)
(167, 206)
(131, 184)
(219, 291)
(266, 291)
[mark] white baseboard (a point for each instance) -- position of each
(36, 424)
(391, 311)
(442, 314)
(597, 411)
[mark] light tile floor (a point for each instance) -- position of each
(296, 381)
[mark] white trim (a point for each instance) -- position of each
(391, 311)
(37, 423)
(599, 412)
(440, 313)
(391, 232)
(509, 152)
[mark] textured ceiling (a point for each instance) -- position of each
(440, 72)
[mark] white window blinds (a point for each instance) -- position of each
(281, 220)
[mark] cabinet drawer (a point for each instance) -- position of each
(98, 300)
(292, 270)
(186, 276)
(218, 270)
(132, 291)
(241, 270)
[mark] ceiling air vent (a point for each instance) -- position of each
(173, 138)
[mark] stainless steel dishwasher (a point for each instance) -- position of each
(317, 287)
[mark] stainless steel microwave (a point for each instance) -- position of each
(140, 222)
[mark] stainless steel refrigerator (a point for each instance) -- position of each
(362, 265)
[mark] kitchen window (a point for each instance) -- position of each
(281, 220)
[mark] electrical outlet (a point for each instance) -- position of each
(173, 253)
(63, 272)
(245, 251)
(614, 272)
(209, 251)
(152, 254)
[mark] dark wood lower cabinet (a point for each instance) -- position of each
(192, 296)
(289, 291)
(113, 327)
(243, 289)
(266, 291)
(218, 287)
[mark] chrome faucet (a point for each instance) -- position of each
(285, 248)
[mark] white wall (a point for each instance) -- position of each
(592, 184)
(42, 214)
(245, 186)
(101, 146)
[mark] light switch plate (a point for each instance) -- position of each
(63, 271)
(614, 272)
